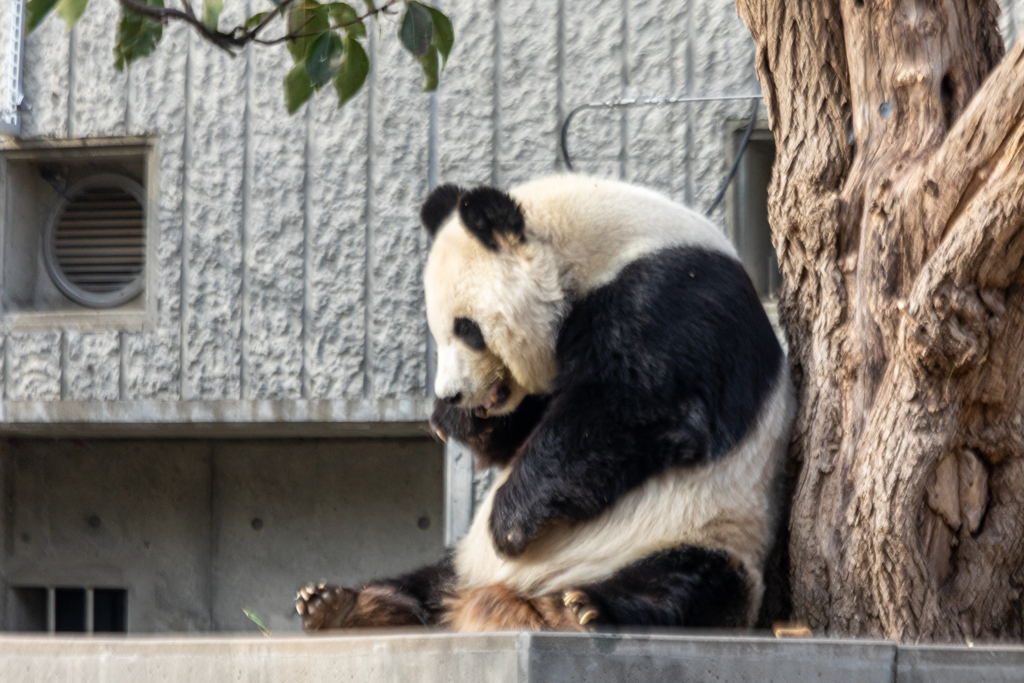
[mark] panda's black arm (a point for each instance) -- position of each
(581, 458)
(493, 440)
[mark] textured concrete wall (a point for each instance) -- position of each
(288, 252)
(197, 530)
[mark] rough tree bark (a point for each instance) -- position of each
(897, 210)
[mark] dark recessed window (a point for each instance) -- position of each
(110, 610)
(752, 232)
(28, 609)
(69, 609)
(95, 248)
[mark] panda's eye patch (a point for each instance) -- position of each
(469, 332)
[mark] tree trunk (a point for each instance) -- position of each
(897, 210)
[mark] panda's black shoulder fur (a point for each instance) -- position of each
(677, 338)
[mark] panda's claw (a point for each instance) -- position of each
(578, 602)
(574, 597)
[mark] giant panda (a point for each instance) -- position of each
(603, 347)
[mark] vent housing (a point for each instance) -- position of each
(95, 245)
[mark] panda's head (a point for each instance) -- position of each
(494, 302)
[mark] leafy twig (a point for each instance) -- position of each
(239, 36)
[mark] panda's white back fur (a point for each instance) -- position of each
(598, 226)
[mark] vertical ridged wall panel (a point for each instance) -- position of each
(213, 220)
(528, 89)
(336, 246)
(99, 92)
(274, 232)
(45, 79)
(593, 71)
(399, 156)
(653, 33)
(465, 102)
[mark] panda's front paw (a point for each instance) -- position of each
(324, 607)
(514, 521)
(451, 422)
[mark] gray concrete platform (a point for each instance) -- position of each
(500, 657)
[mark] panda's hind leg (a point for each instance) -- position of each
(492, 608)
(684, 586)
(496, 608)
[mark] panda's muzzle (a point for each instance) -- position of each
(498, 393)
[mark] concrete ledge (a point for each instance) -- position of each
(943, 664)
(307, 418)
(494, 658)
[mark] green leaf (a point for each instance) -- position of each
(255, 19)
(345, 16)
(297, 88)
(324, 59)
(137, 36)
(430, 64)
(255, 618)
(307, 19)
(71, 11)
(211, 13)
(36, 11)
(444, 34)
(353, 71)
(417, 29)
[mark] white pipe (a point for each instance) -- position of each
(10, 123)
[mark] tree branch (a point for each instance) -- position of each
(946, 314)
(975, 139)
(239, 36)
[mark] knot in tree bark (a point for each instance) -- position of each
(948, 335)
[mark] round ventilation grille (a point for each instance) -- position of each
(96, 245)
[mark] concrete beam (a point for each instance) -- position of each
(216, 418)
(522, 658)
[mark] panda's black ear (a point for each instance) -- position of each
(438, 206)
(491, 214)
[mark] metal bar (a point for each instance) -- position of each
(90, 609)
(458, 491)
(10, 121)
(51, 610)
(637, 102)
